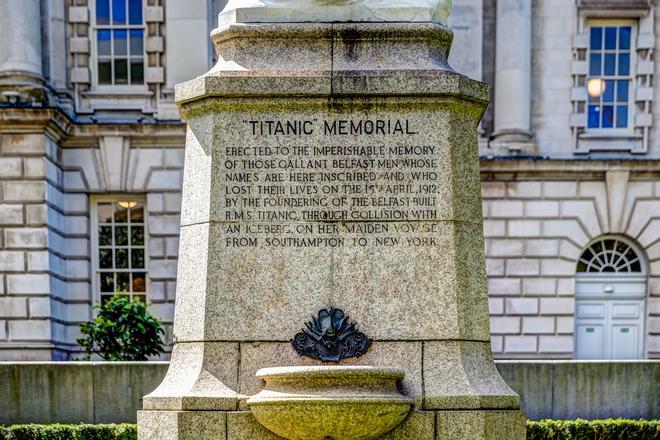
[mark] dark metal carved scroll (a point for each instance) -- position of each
(330, 337)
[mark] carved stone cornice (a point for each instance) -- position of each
(30, 120)
(573, 169)
(162, 134)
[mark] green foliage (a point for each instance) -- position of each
(69, 432)
(122, 331)
(610, 429)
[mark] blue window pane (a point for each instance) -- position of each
(103, 43)
(118, 11)
(102, 12)
(135, 11)
(121, 71)
(105, 72)
(608, 93)
(595, 64)
(624, 37)
(596, 39)
(137, 73)
(610, 38)
(608, 116)
(120, 41)
(137, 42)
(622, 116)
(594, 116)
(624, 64)
(610, 64)
(622, 91)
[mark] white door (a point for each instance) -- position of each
(610, 296)
(609, 329)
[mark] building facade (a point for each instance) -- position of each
(91, 158)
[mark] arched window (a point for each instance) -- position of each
(610, 255)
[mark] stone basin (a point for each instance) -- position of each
(330, 402)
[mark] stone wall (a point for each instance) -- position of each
(535, 231)
(98, 392)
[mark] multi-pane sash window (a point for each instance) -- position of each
(610, 77)
(119, 42)
(120, 249)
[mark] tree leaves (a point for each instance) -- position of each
(122, 331)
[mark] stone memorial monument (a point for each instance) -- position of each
(331, 280)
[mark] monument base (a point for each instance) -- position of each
(419, 425)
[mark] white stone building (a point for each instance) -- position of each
(91, 157)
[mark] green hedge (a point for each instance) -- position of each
(69, 432)
(612, 429)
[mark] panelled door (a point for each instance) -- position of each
(610, 302)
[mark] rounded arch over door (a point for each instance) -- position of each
(610, 300)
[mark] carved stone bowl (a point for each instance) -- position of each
(330, 402)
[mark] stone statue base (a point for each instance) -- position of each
(332, 164)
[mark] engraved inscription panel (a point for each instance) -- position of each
(330, 182)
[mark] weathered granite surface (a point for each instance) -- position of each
(260, 11)
(340, 402)
(331, 160)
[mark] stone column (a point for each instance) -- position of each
(513, 72)
(20, 50)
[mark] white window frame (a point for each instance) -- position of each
(94, 28)
(614, 131)
(94, 201)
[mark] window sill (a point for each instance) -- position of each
(606, 134)
(610, 141)
(118, 91)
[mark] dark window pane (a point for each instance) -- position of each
(121, 42)
(121, 214)
(121, 258)
(608, 93)
(622, 91)
(121, 71)
(137, 213)
(636, 267)
(624, 37)
(118, 11)
(104, 211)
(139, 282)
(137, 72)
(610, 38)
(621, 116)
(137, 236)
(121, 235)
(137, 38)
(595, 64)
(594, 116)
(105, 72)
(107, 282)
(137, 258)
(102, 12)
(105, 258)
(581, 266)
(608, 116)
(596, 38)
(610, 64)
(135, 11)
(624, 64)
(105, 236)
(103, 43)
(124, 281)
